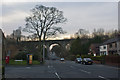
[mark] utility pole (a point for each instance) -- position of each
(43, 52)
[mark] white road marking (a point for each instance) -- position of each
(71, 66)
(54, 70)
(85, 71)
(49, 66)
(81, 70)
(28, 67)
(103, 77)
(57, 75)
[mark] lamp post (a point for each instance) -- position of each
(43, 52)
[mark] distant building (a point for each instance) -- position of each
(94, 49)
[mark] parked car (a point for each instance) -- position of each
(62, 59)
(78, 60)
(87, 61)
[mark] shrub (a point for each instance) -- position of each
(71, 57)
(78, 56)
(86, 56)
(21, 55)
(35, 56)
(96, 58)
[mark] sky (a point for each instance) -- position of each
(80, 15)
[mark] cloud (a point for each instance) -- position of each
(90, 16)
(15, 16)
(85, 15)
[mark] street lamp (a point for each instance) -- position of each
(43, 52)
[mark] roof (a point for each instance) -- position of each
(111, 40)
(95, 44)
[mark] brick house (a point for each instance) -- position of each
(12, 50)
(2, 45)
(94, 49)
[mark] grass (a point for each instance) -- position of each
(12, 62)
(24, 62)
(36, 62)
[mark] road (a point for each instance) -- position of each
(60, 70)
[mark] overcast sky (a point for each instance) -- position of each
(80, 15)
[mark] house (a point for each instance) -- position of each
(103, 49)
(110, 47)
(2, 45)
(0, 54)
(12, 50)
(94, 49)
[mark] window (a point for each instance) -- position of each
(115, 45)
(104, 47)
(110, 45)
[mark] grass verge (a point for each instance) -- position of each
(24, 62)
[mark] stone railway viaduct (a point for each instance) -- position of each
(64, 43)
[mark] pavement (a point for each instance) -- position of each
(55, 69)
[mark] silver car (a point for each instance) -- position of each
(62, 59)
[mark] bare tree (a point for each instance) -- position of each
(82, 33)
(98, 32)
(43, 20)
(16, 34)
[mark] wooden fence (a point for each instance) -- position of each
(112, 60)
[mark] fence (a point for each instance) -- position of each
(112, 60)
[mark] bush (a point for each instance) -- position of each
(71, 57)
(86, 56)
(35, 56)
(96, 58)
(77, 56)
(21, 55)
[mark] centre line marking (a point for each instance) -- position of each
(57, 75)
(81, 70)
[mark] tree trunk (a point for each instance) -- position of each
(40, 50)
(44, 46)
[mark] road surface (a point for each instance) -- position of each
(61, 70)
